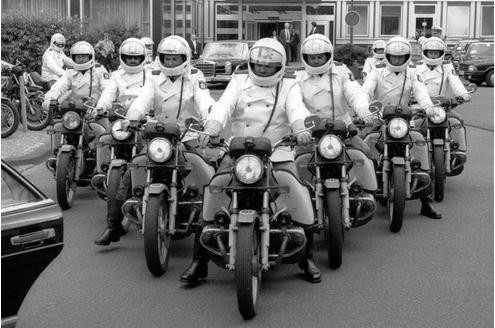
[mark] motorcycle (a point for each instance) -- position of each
(37, 118)
(247, 209)
(342, 182)
(75, 160)
(401, 169)
(167, 190)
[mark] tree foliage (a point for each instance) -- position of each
(350, 54)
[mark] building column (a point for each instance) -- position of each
(304, 21)
(239, 22)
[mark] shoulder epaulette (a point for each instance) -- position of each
(381, 65)
(242, 71)
(289, 76)
(156, 72)
(97, 65)
(337, 63)
(194, 70)
(412, 66)
(300, 68)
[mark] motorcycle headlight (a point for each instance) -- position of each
(330, 147)
(117, 131)
(398, 128)
(71, 120)
(437, 115)
(160, 150)
(248, 169)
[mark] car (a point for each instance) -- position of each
(449, 49)
(460, 50)
(477, 64)
(221, 58)
(32, 236)
(416, 54)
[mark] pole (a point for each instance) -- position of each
(352, 27)
(22, 96)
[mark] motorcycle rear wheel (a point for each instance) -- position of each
(37, 117)
(66, 184)
(397, 198)
(334, 228)
(10, 119)
(439, 172)
(247, 270)
(156, 236)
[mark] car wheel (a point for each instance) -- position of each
(489, 78)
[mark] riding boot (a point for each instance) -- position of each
(307, 264)
(114, 229)
(198, 269)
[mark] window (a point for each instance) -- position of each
(362, 27)
(486, 20)
(424, 9)
(391, 16)
(456, 14)
(227, 24)
(319, 10)
(14, 193)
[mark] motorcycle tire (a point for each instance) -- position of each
(37, 117)
(334, 228)
(247, 270)
(438, 172)
(10, 119)
(397, 198)
(156, 237)
(65, 178)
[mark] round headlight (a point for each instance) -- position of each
(117, 131)
(330, 147)
(71, 120)
(398, 128)
(437, 115)
(160, 150)
(248, 169)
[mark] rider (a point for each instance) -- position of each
(175, 92)
(391, 84)
(260, 102)
(148, 43)
(377, 50)
(441, 79)
(54, 60)
(86, 79)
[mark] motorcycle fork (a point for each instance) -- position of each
(79, 157)
(319, 196)
(172, 198)
(265, 230)
(446, 151)
(385, 170)
(407, 169)
(232, 232)
(344, 194)
(146, 196)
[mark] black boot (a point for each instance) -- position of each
(114, 229)
(311, 271)
(198, 269)
(428, 210)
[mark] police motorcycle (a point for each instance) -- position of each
(167, 190)
(75, 160)
(441, 148)
(248, 211)
(402, 174)
(342, 181)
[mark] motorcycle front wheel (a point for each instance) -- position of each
(334, 228)
(10, 119)
(397, 198)
(247, 270)
(66, 180)
(37, 117)
(156, 236)
(438, 172)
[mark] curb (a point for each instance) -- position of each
(35, 157)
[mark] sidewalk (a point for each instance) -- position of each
(21, 148)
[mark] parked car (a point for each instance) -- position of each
(449, 51)
(32, 236)
(477, 65)
(460, 50)
(220, 59)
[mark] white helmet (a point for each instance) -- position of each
(267, 51)
(433, 43)
(397, 46)
(83, 48)
(56, 40)
(148, 44)
(378, 44)
(174, 45)
(313, 45)
(132, 47)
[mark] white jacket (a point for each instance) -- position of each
(53, 62)
(123, 87)
(451, 86)
(369, 65)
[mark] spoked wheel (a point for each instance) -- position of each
(66, 180)
(10, 120)
(37, 117)
(247, 270)
(397, 198)
(334, 228)
(156, 236)
(438, 172)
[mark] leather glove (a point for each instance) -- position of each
(303, 138)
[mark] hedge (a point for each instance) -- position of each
(350, 54)
(26, 37)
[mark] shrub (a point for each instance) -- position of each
(350, 54)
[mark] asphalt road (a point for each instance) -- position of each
(433, 273)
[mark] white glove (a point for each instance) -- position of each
(92, 113)
(369, 120)
(466, 97)
(46, 104)
(431, 111)
(303, 138)
(124, 124)
(212, 128)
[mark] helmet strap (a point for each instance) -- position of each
(441, 83)
(403, 86)
(180, 98)
(331, 94)
(273, 109)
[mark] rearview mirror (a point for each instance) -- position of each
(312, 121)
(439, 100)
(375, 107)
(471, 88)
(193, 124)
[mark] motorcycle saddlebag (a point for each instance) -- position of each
(259, 146)
(161, 129)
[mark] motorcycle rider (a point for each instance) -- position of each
(54, 60)
(260, 102)
(378, 57)
(441, 79)
(392, 83)
(175, 92)
(86, 79)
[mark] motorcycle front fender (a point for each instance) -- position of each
(398, 161)
(246, 216)
(332, 183)
(66, 148)
(438, 142)
(118, 162)
(157, 188)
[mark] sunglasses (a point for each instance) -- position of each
(149, 46)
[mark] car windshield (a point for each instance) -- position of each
(481, 49)
(14, 192)
(224, 50)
